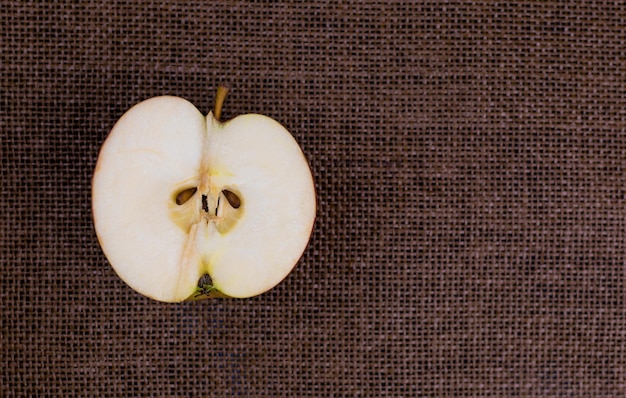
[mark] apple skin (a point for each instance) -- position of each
(249, 210)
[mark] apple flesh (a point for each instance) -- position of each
(187, 206)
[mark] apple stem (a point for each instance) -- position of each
(219, 101)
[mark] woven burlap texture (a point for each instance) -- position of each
(469, 159)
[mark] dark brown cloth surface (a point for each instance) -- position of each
(469, 159)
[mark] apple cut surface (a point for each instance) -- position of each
(186, 206)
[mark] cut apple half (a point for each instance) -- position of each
(188, 207)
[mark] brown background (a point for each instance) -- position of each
(470, 164)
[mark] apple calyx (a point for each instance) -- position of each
(206, 290)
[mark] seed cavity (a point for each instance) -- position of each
(205, 204)
(184, 195)
(232, 198)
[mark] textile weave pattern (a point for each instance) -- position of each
(469, 159)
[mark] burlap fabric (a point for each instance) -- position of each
(469, 158)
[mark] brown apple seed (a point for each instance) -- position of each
(184, 195)
(232, 198)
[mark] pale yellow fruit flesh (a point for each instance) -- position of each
(161, 249)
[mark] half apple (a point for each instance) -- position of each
(187, 207)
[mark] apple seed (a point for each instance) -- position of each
(232, 198)
(184, 195)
